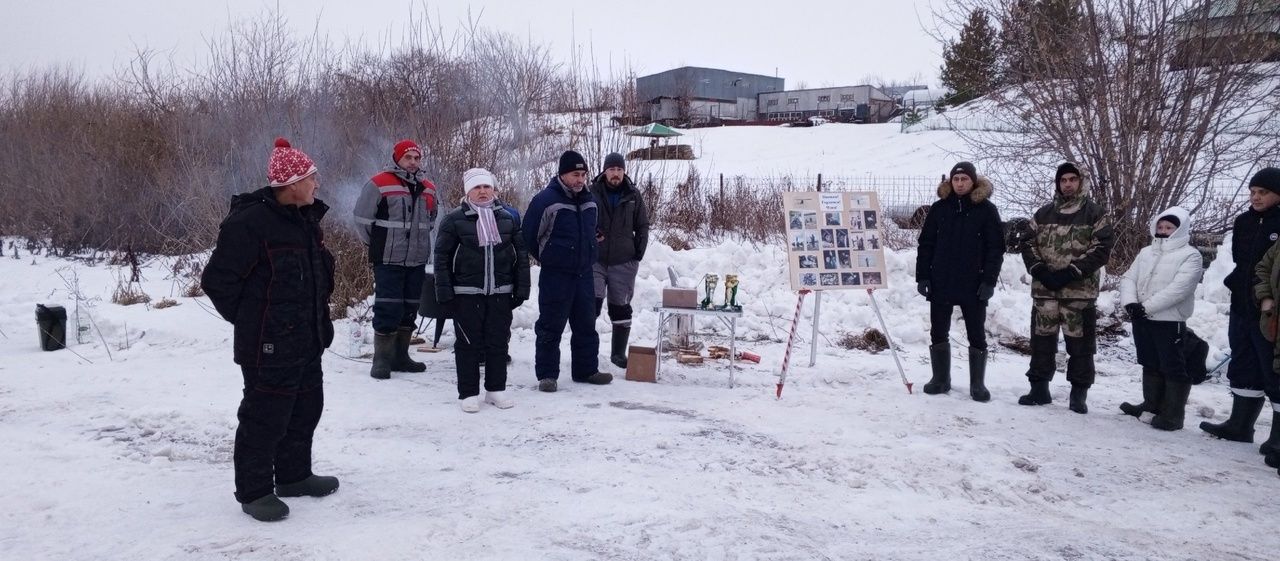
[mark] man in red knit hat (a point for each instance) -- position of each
(271, 277)
(395, 215)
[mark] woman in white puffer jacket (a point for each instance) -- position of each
(1158, 291)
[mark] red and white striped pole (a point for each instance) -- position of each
(786, 357)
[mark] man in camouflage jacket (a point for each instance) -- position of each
(1068, 243)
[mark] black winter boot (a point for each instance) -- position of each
(1239, 426)
(1272, 444)
(1152, 394)
(312, 486)
(1039, 394)
(1273, 460)
(978, 375)
(940, 360)
(618, 355)
(1079, 393)
(266, 509)
(402, 361)
(384, 353)
(1173, 409)
(598, 379)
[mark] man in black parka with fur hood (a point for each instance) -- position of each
(961, 248)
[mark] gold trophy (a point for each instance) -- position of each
(731, 294)
(709, 282)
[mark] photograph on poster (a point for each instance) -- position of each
(873, 242)
(845, 261)
(797, 240)
(871, 278)
(842, 238)
(859, 201)
(855, 220)
(828, 239)
(850, 279)
(811, 240)
(857, 241)
(808, 261)
(809, 279)
(810, 220)
(866, 261)
(830, 279)
(869, 220)
(832, 218)
(795, 220)
(829, 260)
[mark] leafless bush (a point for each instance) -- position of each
(353, 278)
(129, 293)
(165, 303)
(871, 340)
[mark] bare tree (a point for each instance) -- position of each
(1116, 93)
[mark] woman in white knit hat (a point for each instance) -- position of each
(482, 274)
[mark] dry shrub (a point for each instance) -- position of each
(871, 340)
(165, 303)
(128, 294)
(353, 278)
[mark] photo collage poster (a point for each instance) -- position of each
(834, 240)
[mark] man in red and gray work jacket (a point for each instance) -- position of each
(395, 216)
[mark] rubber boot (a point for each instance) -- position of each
(940, 360)
(1039, 394)
(402, 362)
(1079, 393)
(978, 375)
(618, 356)
(1152, 395)
(598, 379)
(384, 353)
(1239, 426)
(1272, 444)
(266, 509)
(1173, 409)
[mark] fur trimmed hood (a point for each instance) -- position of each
(982, 189)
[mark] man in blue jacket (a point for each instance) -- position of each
(560, 232)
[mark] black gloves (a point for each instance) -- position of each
(986, 291)
(516, 302)
(1136, 311)
(1055, 280)
(923, 288)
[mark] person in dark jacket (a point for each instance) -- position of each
(623, 235)
(482, 272)
(1065, 248)
(560, 232)
(271, 276)
(958, 264)
(395, 214)
(1250, 371)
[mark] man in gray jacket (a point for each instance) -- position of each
(623, 235)
(394, 216)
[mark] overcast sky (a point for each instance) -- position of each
(810, 42)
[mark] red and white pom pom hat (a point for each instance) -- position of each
(288, 165)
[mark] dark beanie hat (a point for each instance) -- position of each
(965, 168)
(571, 161)
(1267, 178)
(1170, 219)
(614, 160)
(1064, 169)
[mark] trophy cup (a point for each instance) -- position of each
(709, 282)
(731, 294)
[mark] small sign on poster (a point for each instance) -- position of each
(834, 240)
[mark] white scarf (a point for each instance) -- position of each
(486, 226)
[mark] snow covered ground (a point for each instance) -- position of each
(120, 447)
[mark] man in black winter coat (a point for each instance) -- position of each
(622, 233)
(958, 263)
(271, 276)
(1250, 370)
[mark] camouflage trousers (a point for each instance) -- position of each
(1077, 320)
